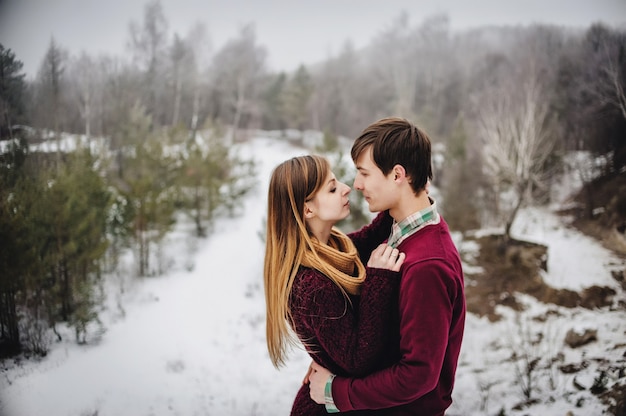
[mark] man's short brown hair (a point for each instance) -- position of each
(397, 141)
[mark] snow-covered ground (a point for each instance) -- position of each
(488, 380)
(192, 342)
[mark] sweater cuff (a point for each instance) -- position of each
(341, 386)
(328, 396)
(384, 273)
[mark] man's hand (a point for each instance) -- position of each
(317, 381)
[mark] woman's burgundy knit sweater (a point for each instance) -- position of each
(348, 338)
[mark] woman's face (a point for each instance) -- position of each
(330, 203)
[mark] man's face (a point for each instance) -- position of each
(380, 191)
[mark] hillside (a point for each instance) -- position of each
(544, 336)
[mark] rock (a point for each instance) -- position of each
(578, 385)
(620, 277)
(574, 340)
(573, 367)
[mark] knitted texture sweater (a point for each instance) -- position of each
(347, 337)
(432, 318)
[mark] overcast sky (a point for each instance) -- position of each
(293, 31)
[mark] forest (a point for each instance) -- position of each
(153, 130)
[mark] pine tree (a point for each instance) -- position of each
(296, 98)
(13, 254)
(461, 181)
(12, 89)
(212, 179)
(78, 203)
(146, 184)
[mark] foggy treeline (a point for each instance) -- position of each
(503, 106)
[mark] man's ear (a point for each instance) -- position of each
(399, 173)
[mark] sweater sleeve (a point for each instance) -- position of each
(425, 315)
(371, 235)
(346, 338)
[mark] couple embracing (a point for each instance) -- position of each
(381, 310)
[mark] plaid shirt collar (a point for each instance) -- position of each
(402, 230)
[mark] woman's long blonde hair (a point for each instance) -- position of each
(292, 183)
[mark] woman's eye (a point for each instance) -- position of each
(332, 191)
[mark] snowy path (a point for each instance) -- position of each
(191, 343)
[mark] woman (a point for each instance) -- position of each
(316, 284)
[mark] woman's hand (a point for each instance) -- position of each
(386, 257)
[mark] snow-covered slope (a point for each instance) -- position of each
(192, 342)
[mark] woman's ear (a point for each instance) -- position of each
(307, 211)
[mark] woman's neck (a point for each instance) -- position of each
(321, 231)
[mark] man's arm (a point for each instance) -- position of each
(425, 318)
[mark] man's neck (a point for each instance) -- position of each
(409, 206)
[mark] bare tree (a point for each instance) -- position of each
(148, 44)
(178, 54)
(597, 95)
(237, 69)
(199, 50)
(515, 127)
(120, 95)
(345, 96)
(609, 75)
(83, 71)
(51, 90)
(614, 84)
(396, 50)
(414, 62)
(327, 96)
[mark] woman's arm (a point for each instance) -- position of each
(346, 338)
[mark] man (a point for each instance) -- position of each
(393, 161)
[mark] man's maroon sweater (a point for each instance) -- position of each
(432, 319)
(347, 337)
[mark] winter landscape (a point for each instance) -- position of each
(136, 145)
(192, 341)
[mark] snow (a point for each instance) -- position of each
(575, 261)
(192, 342)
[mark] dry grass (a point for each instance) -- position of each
(610, 238)
(609, 223)
(516, 269)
